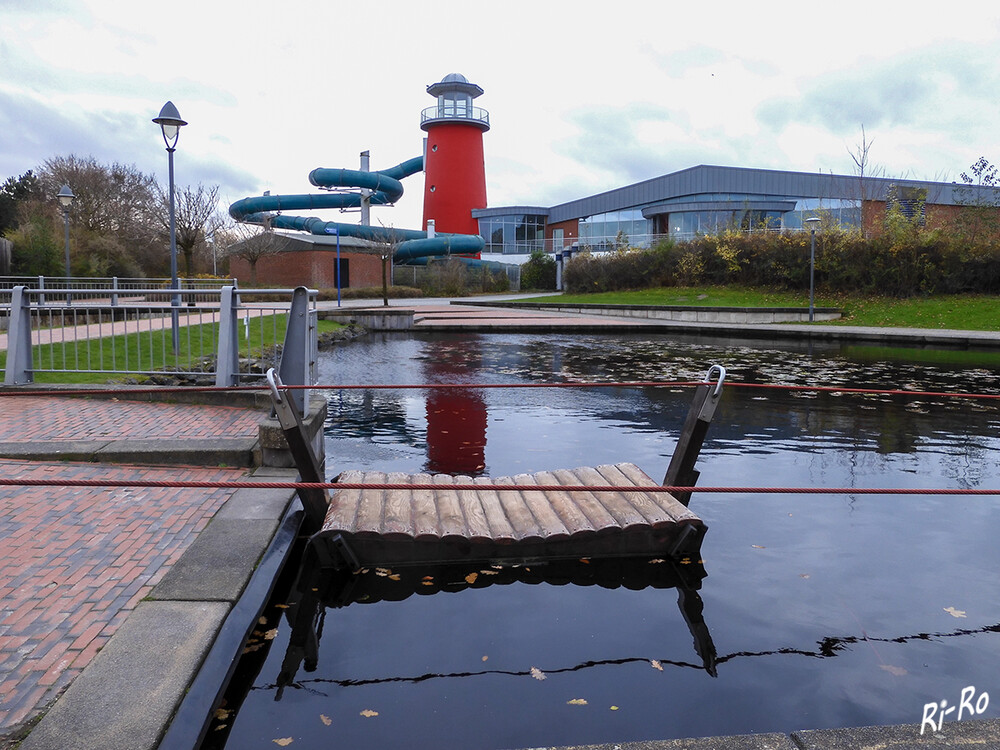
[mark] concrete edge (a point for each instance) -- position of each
(113, 702)
(239, 452)
(975, 733)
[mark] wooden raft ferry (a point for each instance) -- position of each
(497, 521)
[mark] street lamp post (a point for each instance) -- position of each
(170, 123)
(812, 222)
(65, 196)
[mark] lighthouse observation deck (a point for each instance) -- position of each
(456, 111)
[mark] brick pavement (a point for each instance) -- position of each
(47, 418)
(75, 561)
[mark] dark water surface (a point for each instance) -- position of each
(824, 610)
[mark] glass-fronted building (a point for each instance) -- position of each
(698, 200)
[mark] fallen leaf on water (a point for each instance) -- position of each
(281, 606)
(657, 560)
(270, 635)
(427, 583)
(222, 713)
(898, 671)
(537, 673)
(284, 741)
(955, 612)
(262, 621)
(382, 572)
(803, 575)
(757, 546)
(428, 578)
(577, 702)
(656, 665)
(471, 578)
(325, 719)
(614, 708)
(485, 658)
(394, 577)
(221, 726)
(585, 560)
(368, 713)
(251, 649)
(488, 572)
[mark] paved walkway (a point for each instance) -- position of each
(74, 562)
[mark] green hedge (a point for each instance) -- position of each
(901, 263)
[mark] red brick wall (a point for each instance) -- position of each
(571, 231)
(313, 268)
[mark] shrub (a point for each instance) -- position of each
(539, 272)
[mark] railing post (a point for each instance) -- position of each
(681, 472)
(114, 292)
(297, 361)
(227, 358)
(18, 369)
(41, 288)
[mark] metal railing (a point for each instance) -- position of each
(452, 112)
(221, 341)
(115, 287)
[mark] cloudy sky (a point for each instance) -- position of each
(583, 96)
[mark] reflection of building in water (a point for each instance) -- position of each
(456, 418)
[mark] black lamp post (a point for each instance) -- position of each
(65, 196)
(170, 123)
(812, 222)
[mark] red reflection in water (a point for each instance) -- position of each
(456, 419)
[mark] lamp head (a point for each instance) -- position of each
(170, 123)
(812, 223)
(65, 196)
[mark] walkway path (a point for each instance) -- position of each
(74, 562)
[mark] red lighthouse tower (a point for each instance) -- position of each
(455, 172)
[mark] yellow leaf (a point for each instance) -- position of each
(222, 713)
(284, 741)
(427, 583)
(488, 572)
(368, 713)
(757, 546)
(537, 673)
(325, 719)
(576, 702)
(656, 665)
(955, 612)
(898, 671)
(270, 635)
(262, 621)
(281, 606)
(471, 578)
(394, 577)
(382, 572)
(485, 658)
(221, 726)
(614, 708)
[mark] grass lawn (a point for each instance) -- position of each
(967, 312)
(151, 351)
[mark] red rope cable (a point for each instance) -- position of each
(197, 484)
(126, 392)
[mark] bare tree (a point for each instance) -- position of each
(866, 172)
(250, 242)
(195, 216)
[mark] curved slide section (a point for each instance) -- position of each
(413, 245)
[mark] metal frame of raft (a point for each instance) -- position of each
(500, 523)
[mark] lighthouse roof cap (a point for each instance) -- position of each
(455, 83)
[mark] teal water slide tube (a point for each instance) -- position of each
(413, 247)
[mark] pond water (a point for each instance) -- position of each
(822, 610)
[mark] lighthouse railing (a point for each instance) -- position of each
(453, 111)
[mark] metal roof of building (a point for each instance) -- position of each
(713, 183)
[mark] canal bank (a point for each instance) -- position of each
(120, 596)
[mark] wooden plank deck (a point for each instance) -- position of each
(500, 522)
